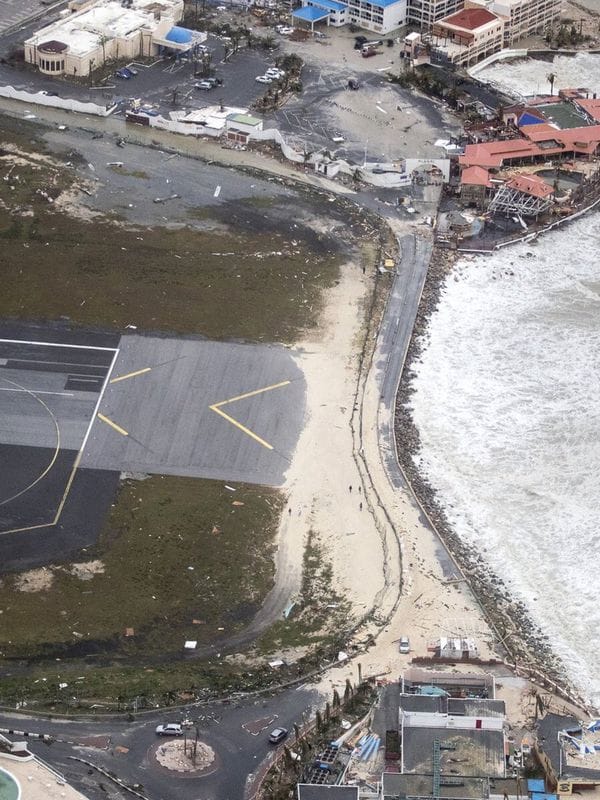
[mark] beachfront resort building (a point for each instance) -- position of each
(523, 17)
(516, 18)
(379, 16)
(95, 32)
(469, 35)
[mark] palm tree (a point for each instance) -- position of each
(551, 77)
(102, 40)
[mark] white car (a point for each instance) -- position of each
(274, 73)
(263, 79)
(171, 729)
(284, 30)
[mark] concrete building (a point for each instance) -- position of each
(379, 16)
(522, 17)
(105, 30)
(469, 35)
(24, 777)
(423, 13)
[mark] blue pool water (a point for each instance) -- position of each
(9, 788)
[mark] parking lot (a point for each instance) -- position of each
(380, 122)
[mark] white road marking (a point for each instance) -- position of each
(37, 391)
(217, 191)
(60, 344)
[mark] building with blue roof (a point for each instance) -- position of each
(332, 12)
(379, 16)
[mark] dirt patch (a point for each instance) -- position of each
(34, 580)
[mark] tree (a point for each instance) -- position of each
(102, 40)
(551, 77)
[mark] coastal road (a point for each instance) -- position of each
(394, 338)
(392, 346)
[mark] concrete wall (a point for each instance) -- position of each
(499, 56)
(56, 102)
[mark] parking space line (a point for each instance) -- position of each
(112, 424)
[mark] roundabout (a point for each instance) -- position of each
(188, 757)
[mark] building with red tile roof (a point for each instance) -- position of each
(531, 185)
(542, 142)
(469, 35)
(475, 176)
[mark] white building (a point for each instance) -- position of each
(379, 16)
(523, 17)
(423, 13)
(108, 29)
(469, 35)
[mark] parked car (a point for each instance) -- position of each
(263, 79)
(353, 84)
(284, 30)
(203, 85)
(275, 73)
(404, 645)
(359, 41)
(277, 735)
(124, 73)
(213, 81)
(171, 729)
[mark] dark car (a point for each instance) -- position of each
(353, 84)
(277, 735)
(124, 73)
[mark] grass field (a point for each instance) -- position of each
(179, 561)
(249, 278)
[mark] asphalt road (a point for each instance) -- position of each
(128, 749)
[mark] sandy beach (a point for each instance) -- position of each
(387, 561)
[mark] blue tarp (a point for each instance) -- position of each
(536, 785)
(542, 796)
(310, 14)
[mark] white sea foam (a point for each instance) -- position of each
(507, 404)
(528, 76)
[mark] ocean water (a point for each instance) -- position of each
(507, 404)
(528, 76)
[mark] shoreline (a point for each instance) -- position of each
(528, 649)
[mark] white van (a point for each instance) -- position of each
(404, 645)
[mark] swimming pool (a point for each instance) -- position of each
(9, 788)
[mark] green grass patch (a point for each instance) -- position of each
(221, 285)
(174, 550)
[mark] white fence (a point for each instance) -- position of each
(56, 102)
